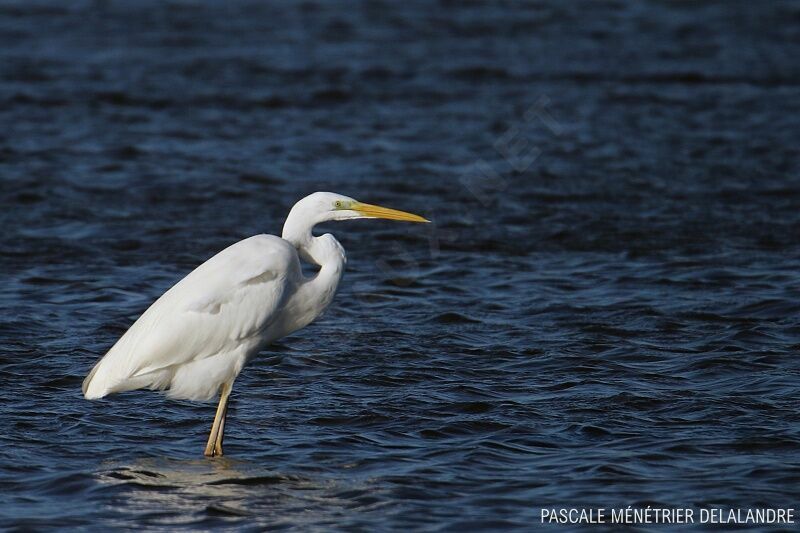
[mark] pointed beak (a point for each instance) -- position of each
(376, 211)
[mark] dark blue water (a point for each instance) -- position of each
(605, 312)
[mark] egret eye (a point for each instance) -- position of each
(338, 204)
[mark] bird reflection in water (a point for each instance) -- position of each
(161, 492)
(165, 489)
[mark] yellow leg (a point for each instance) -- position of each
(214, 445)
(221, 432)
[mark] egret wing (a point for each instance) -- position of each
(219, 307)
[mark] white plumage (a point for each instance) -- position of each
(200, 332)
(196, 338)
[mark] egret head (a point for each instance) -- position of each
(323, 206)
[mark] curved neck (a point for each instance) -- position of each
(316, 250)
(323, 251)
(315, 293)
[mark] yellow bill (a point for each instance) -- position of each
(376, 211)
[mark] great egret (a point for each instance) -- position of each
(196, 338)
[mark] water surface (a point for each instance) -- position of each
(605, 312)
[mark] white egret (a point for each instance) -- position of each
(196, 338)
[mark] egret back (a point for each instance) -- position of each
(201, 332)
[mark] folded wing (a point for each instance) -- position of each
(221, 310)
